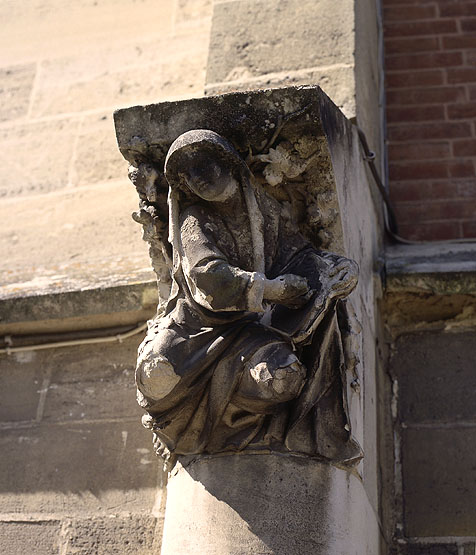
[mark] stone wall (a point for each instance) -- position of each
(64, 69)
(430, 399)
(77, 472)
(263, 43)
(436, 435)
(78, 475)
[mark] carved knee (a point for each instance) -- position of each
(156, 376)
(280, 384)
(273, 375)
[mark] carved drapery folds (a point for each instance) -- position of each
(254, 346)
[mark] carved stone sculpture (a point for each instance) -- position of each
(249, 374)
(250, 350)
(254, 347)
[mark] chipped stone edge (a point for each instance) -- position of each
(442, 269)
(430, 287)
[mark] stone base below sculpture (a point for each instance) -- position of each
(266, 504)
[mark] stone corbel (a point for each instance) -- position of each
(247, 202)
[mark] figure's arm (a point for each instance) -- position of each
(213, 282)
(219, 286)
(289, 290)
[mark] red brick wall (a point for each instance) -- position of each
(430, 59)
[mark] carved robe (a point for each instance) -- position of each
(216, 321)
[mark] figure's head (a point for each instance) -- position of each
(205, 163)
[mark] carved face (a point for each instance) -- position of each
(209, 178)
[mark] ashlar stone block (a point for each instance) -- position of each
(439, 481)
(15, 90)
(96, 159)
(38, 155)
(22, 379)
(116, 535)
(100, 468)
(436, 377)
(300, 34)
(55, 28)
(40, 537)
(92, 382)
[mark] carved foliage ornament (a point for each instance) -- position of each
(251, 349)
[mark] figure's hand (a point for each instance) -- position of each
(343, 277)
(289, 290)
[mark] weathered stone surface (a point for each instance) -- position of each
(15, 90)
(269, 505)
(118, 308)
(189, 11)
(251, 38)
(113, 87)
(97, 159)
(122, 74)
(133, 535)
(429, 549)
(429, 259)
(183, 76)
(435, 283)
(92, 382)
(439, 481)
(21, 383)
(71, 222)
(301, 290)
(362, 236)
(245, 119)
(120, 297)
(87, 382)
(248, 120)
(49, 29)
(431, 312)
(430, 287)
(41, 538)
(336, 82)
(105, 467)
(435, 372)
(35, 157)
(368, 75)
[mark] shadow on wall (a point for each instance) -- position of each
(72, 440)
(267, 504)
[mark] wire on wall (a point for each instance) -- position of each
(118, 337)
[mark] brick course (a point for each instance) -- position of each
(430, 59)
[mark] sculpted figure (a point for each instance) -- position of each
(252, 348)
